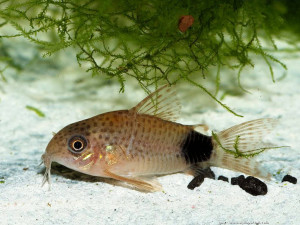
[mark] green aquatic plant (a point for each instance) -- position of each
(278, 172)
(141, 39)
(4, 59)
(36, 110)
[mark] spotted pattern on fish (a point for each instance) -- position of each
(144, 141)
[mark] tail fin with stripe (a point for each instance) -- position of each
(235, 147)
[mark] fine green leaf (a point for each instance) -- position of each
(37, 111)
(140, 39)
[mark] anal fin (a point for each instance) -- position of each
(199, 175)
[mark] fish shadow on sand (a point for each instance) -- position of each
(76, 177)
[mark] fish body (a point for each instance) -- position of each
(136, 144)
(127, 144)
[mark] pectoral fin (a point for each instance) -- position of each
(142, 184)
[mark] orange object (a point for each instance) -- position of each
(185, 22)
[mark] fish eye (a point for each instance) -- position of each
(77, 144)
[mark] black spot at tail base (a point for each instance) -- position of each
(196, 147)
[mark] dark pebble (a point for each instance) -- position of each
(254, 186)
(196, 182)
(290, 179)
(223, 178)
(237, 180)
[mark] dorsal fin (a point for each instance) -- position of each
(162, 103)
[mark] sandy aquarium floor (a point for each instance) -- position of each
(64, 96)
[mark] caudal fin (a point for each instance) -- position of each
(235, 147)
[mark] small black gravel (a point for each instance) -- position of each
(290, 179)
(237, 180)
(250, 184)
(254, 186)
(223, 178)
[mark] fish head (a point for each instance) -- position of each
(74, 147)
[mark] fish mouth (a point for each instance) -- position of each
(47, 176)
(82, 163)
